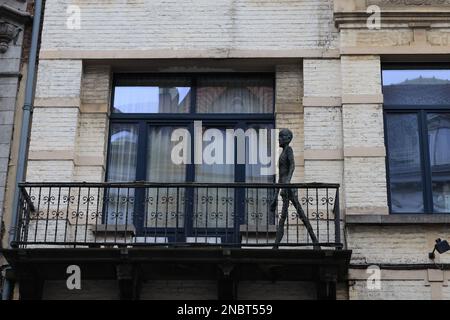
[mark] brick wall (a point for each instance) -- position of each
(54, 129)
(58, 79)
(230, 24)
(413, 283)
(70, 122)
(363, 125)
(391, 290)
(361, 75)
(289, 110)
(322, 77)
(323, 128)
(323, 122)
(365, 183)
(395, 244)
(332, 105)
(363, 135)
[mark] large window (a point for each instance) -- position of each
(147, 109)
(417, 126)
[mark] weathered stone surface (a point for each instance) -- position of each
(339, 134)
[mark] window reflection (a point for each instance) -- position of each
(405, 168)
(416, 87)
(214, 94)
(214, 207)
(121, 168)
(439, 147)
(165, 206)
(151, 99)
(258, 200)
(123, 153)
(172, 207)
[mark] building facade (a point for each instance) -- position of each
(363, 86)
(15, 19)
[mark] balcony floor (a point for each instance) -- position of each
(130, 266)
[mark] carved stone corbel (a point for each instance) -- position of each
(8, 33)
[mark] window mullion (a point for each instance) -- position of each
(141, 167)
(239, 169)
(193, 95)
(427, 179)
(388, 174)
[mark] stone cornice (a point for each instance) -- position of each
(418, 3)
(414, 13)
(15, 14)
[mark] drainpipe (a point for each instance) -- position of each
(25, 130)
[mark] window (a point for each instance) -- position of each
(147, 109)
(417, 126)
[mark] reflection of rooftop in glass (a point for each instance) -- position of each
(423, 77)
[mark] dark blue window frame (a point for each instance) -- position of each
(144, 120)
(421, 110)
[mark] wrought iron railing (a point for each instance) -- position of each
(175, 214)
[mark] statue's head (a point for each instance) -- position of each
(285, 137)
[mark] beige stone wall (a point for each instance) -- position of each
(363, 135)
(330, 97)
(396, 284)
(55, 121)
(323, 121)
(395, 244)
(70, 122)
(151, 29)
(289, 110)
(391, 290)
(92, 137)
(407, 27)
(401, 38)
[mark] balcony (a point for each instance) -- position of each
(138, 232)
(184, 214)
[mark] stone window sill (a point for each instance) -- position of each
(271, 229)
(397, 219)
(111, 230)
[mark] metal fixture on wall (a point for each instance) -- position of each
(441, 246)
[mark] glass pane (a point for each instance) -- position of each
(165, 206)
(439, 145)
(416, 87)
(152, 96)
(121, 168)
(405, 173)
(214, 207)
(235, 95)
(259, 169)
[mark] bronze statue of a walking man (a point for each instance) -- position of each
(286, 167)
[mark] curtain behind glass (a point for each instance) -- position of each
(222, 94)
(165, 206)
(405, 167)
(121, 168)
(258, 200)
(439, 147)
(214, 207)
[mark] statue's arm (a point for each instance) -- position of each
(291, 161)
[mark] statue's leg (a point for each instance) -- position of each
(280, 229)
(302, 216)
